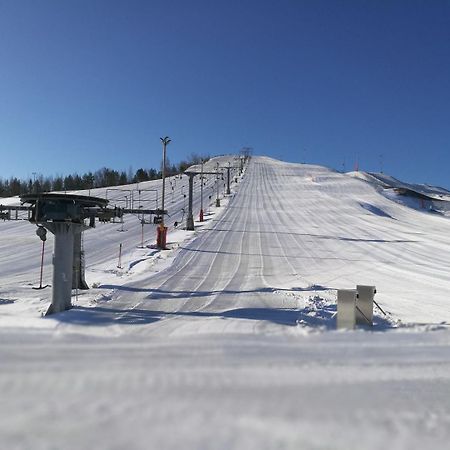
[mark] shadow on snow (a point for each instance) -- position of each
(324, 318)
(318, 236)
(160, 294)
(6, 301)
(317, 314)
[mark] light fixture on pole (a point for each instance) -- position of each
(162, 229)
(201, 194)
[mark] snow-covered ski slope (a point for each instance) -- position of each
(227, 341)
(387, 181)
(21, 248)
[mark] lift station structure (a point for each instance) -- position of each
(66, 216)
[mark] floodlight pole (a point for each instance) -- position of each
(201, 194)
(162, 230)
(165, 141)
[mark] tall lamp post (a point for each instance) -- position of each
(201, 194)
(162, 230)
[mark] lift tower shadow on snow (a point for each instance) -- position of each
(67, 216)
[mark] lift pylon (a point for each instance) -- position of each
(67, 216)
(190, 216)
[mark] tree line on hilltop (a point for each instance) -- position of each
(104, 177)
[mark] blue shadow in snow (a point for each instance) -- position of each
(104, 316)
(166, 294)
(316, 314)
(311, 317)
(375, 210)
(6, 301)
(318, 236)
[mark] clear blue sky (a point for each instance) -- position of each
(89, 83)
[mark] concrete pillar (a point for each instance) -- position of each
(62, 265)
(364, 312)
(346, 307)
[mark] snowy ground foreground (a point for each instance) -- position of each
(227, 341)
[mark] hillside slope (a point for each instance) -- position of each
(229, 340)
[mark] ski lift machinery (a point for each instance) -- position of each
(66, 216)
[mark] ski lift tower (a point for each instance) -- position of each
(228, 169)
(64, 215)
(191, 174)
(67, 216)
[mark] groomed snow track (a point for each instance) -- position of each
(233, 346)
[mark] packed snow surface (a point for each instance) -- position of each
(228, 339)
(388, 181)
